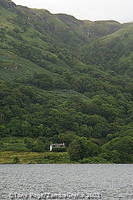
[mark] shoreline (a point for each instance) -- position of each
(11, 157)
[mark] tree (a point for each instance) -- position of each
(67, 137)
(81, 148)
(16, 160)
(38, 146)
(122, 145)
(112, 156)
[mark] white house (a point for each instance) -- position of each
(52, 146)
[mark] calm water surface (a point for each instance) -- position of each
(112, 181)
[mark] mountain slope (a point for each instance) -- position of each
(111, 51)
(63, 77)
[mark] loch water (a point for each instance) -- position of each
(110, 181)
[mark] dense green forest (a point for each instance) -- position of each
(65, 80)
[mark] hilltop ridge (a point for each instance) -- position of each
(7, 3)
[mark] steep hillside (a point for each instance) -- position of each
(63, 79)
(113, 51)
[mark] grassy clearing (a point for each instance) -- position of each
(33, 158)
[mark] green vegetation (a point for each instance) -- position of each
(81, 148)
(64, 80)
(34, 158)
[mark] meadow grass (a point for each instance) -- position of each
(9, 157)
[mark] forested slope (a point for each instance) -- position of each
(64, 79)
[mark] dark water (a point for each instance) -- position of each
(113, 182)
